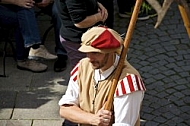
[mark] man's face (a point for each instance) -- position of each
(98, 60)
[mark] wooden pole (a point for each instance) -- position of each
(127, 40)
(185, 14)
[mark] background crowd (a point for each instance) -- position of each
(68, 28)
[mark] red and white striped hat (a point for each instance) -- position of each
(100, 39)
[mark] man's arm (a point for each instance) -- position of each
(44, 3)
(75, 114)
(7, 1)
(69, 107)
(21, 3)
(127, 108)
(89, 21)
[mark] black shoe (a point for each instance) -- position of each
(152, 13)
(68, 123)
(125, 14)
(61, 63)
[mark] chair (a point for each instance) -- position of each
(5, 36)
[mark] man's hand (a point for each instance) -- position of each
(103, 11)
(24, 3)
(102, 118)
(44, 3)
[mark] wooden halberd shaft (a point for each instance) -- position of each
(127, 40)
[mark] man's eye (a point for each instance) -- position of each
(95, 53)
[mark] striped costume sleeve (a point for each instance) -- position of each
(74, 73)
(129, 84)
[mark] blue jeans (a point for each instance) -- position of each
(26, 33)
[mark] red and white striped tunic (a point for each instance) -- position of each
(129, 84)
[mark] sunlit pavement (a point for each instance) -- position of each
(162, 56)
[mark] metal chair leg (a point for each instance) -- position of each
(4, 58)
(7, 41)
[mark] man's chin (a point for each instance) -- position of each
(94, 66)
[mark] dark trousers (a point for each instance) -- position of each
(125, 5)
(68, 123)
(108, 4)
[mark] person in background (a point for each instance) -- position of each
(76, 17)
(108, 4)
(21, 15)
(91, 80)
(48, 7)
(125, 8)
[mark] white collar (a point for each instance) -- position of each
(102, 76)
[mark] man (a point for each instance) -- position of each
(76, 17)
(91, 79)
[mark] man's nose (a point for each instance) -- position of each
(90, 56)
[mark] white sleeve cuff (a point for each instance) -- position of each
(68, 100)
(120, 124)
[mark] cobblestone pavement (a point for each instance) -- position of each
(161, 55)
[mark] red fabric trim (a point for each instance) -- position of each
(123, 87)
(75, 78)
(105, 41)
(143, 85)
(137, 81)
(74, 71)
(130, 83)
(117, 92)
(127, 86)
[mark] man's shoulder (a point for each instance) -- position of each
(130, 83)
(84, 61)
(129, 69)
(84, 64)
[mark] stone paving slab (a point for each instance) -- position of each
(8, 83)
(7, 102)
(36, 105)
(47, 122)
(16, 123)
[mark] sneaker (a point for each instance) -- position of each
(143, 16)
(41, 53)
(125, 14)
(146, 12)
(31, 65)
(61, 63)
(152, 13)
